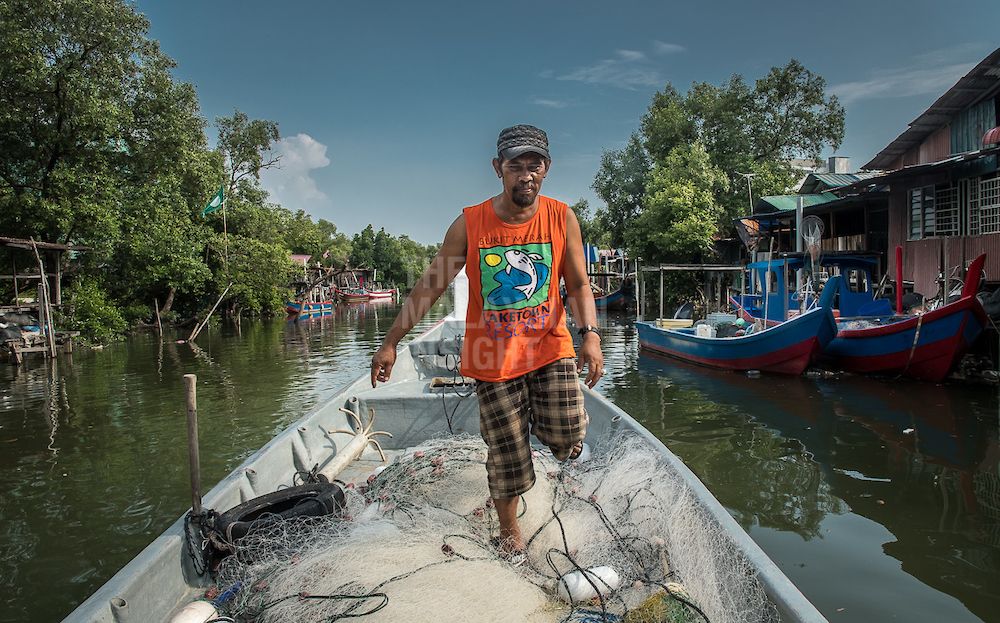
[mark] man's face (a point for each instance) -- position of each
(522, 177)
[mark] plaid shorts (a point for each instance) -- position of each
(547, 403)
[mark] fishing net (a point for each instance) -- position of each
(414, 545)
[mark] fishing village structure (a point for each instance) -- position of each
(934, 191)
(26, 322)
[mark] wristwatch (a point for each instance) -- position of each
(588, 329)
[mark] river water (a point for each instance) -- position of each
(879, 499)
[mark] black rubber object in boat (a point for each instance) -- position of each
(308, 500)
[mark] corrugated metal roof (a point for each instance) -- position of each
(784, 203)
(822, 181)
(918, 169)
(974, 86)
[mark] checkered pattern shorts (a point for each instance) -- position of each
(547, 403)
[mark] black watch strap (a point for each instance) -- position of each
(584, 330)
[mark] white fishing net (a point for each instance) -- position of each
(415, 546)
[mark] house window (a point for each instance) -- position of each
(989, 206)
(947, 213)
(970, 191)
(922, 217)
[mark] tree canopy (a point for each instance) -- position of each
(677, 184)
(101, 146)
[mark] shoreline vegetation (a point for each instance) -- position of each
(100, 146)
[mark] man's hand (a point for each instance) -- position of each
(592, 357)
(382, 362)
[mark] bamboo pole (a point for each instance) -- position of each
(194, 461)
(661, 295)
(159, 325)
(201, 326)
(50, 337)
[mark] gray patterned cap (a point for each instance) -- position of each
(521, 139)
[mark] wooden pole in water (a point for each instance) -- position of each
(159, 325)
(44, 300)
(190, 386)
(661, 292)
(201, 326)
(899, 280)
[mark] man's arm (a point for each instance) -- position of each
(443, 268)
(581, 300)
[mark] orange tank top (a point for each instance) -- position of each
(515, 321)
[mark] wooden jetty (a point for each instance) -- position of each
(47, 296)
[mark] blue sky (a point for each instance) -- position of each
(389, 111)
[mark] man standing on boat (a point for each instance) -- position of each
(515, 246)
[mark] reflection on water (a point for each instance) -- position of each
(93, 457)
(891, 488)
(880, 500)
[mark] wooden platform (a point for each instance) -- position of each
(17, 348)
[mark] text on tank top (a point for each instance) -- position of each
(515, 321)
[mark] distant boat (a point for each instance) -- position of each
(786, 348)
(385, 293)
(298, 307)
(352, 295)
(619, 300)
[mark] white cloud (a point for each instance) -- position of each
(291, 183)
(662, 47)
(627, 69)
(630, 55)
(616, 72)
(547, 103)
(930, 73)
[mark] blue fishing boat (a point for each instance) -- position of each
(855, 294)
(619, 300)
(924, 346)
(318, 308)
(871, 339)
(786, 348)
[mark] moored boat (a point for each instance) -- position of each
(424, 401)
(299, 307)
(352, 295)
(785, 348)
(382, 294)
(619, 300)
(925, 346)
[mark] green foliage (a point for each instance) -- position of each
(80, 86)
(673, 190)
(680, 214)
(621, 183)
(91, 312)
(399, 261)
(137, 313)
(245, 143)
(101, 146)
(363, 248)
(259, 271)
(589, 228)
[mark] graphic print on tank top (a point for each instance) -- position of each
(515, 276)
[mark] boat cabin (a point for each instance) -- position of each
(772, 293)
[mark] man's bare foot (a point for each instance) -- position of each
(571, 454)
(508, 550)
